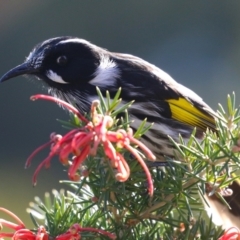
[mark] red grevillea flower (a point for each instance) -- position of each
(232, 233)
(20, 230)
(75, 230)
(21, 233)
(85, 141)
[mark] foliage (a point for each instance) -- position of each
(176, 209)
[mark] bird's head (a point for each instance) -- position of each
(66, 60)
(71, 68)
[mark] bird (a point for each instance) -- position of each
(72, 68)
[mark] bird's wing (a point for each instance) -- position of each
(190, 109)
(183, 104)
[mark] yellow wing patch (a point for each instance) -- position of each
(183, 111)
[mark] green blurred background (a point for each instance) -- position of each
(197, 42)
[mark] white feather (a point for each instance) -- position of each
(54, 77)
(106, 73)
(75, 40)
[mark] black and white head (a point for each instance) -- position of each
(71, 68)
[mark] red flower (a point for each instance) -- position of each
(21, 233)
(75, 230)
(231, 234)
(20, 230)
(85, 141)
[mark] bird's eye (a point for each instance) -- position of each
(62, 60)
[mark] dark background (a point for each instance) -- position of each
(197, 42)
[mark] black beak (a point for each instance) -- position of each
(22, 69)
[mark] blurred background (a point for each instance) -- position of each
(196, 42)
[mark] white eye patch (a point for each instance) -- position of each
(54, 77)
